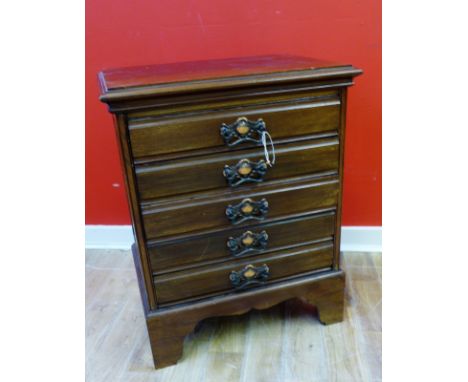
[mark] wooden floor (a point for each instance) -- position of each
(285, 343)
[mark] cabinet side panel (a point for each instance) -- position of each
(336, 263)
(130, 183)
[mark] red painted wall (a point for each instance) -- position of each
(134, 32)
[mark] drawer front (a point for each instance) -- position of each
(241, 242)
(192, 132)
(240, 275)
(210, 212)
(243, 167)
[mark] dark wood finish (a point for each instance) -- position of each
(219, 100)
(130, 182)
(325, 291)
(207, 69)
(211, 244)
(206, 172)
(200, 76)
(187, 216)
(214, 279)
(181, 132)
(336, 259)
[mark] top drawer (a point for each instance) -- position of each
(164, 135)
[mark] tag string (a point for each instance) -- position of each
(265, 148)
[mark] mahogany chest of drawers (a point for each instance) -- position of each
(234, 173)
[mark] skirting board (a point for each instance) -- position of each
(353, 239)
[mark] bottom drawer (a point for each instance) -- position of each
(237, 275)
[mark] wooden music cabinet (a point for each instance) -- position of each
(218, 230)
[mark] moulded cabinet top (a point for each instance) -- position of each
(164, 79)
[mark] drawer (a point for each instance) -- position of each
(238, 168)
(239, 275)
(209, 211)
(158, 136)
(240, 242)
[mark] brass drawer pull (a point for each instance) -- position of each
(247, 210)
(242, 130)
(247, 242)
(250, 275)
(245, 171)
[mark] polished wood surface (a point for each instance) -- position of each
(179, 132)
(246, 98)
(195, 168)
(208, 69)
(284, 343)
(154, 79)
(169, 255)
(206, 172)
(208, 211)
(325, 292)
(210, 280)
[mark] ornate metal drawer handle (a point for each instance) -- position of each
(247, 210)
(247, 242)
(245, 171)
(242, 130)
(250, 275)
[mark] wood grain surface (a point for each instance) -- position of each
(184, 176)
(208, 69)
(185, 77)
(285, 343)
(180, 186)
(208, 211)
(183, 132)
(169, 255)
(213, 279)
